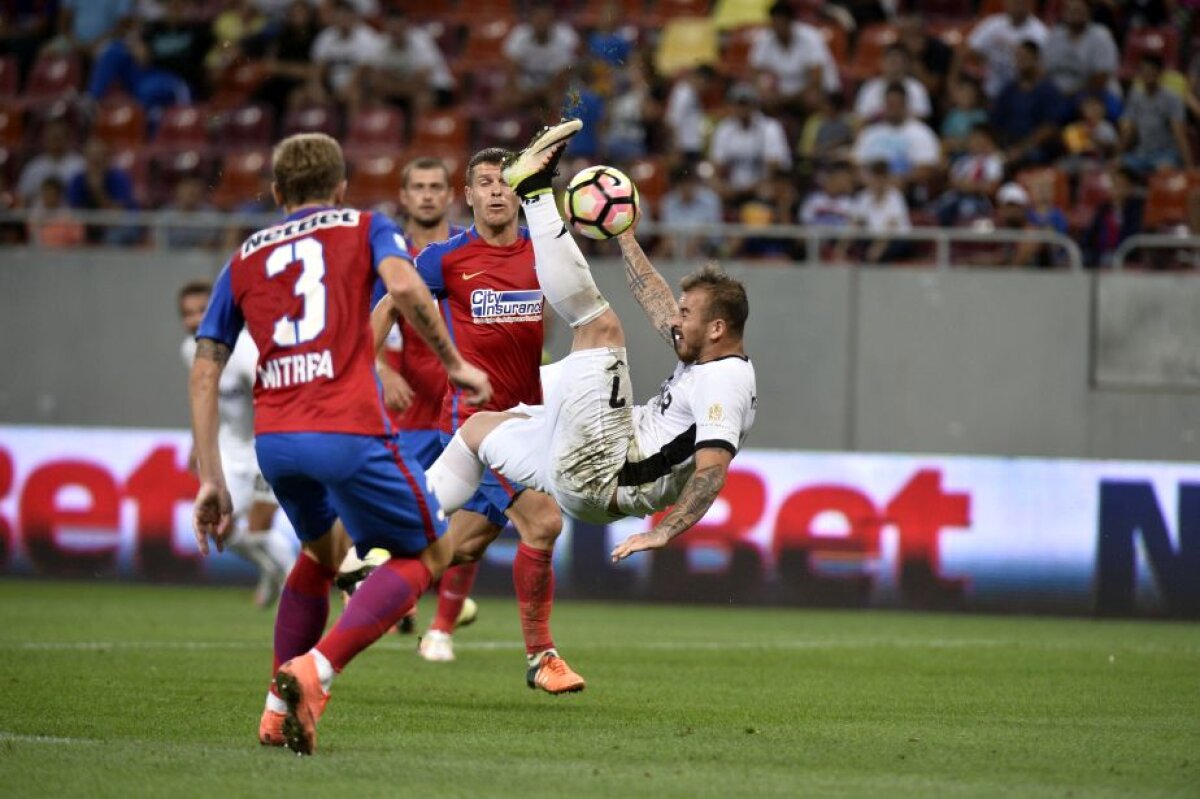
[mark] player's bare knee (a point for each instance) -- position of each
(477, 428)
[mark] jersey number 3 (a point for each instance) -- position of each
(310, 285)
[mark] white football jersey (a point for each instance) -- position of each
(236, 402)
(699, 405)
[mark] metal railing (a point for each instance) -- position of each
(157, 229)
(1154, 241)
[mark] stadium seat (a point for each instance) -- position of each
(1037, 179)
(237, 83)
(246, 127)
(485, 45)
(53, 77)
(1143, 41)
(950, 9)
(10, 79)
(170, 167)
(650, 175)
(374, 179)
(376, 128)
(510, 131)
(1095, 189)
(313, 119)
(239, 178)
(12, 126)
(677, 9)
(872, 43)
(1167, 199)
(442, 130)
(686, 43)
(120, 123)
(183, 125)
(735, 54)
(134, 162)
(485, 88)
(837, 41)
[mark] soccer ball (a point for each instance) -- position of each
(602, 202)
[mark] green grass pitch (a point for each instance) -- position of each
(111, 690)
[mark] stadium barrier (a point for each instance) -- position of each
(1156, 241)
(790, 528)
(158, 227)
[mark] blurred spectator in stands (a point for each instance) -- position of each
(51, 223)
(237, 33)
(1081, 56)
(751, 153)
(25, 25)
(685, 114)
(907, 145)
(263, 202)
(1193, 91)
(857, 14)
(87, 25)
(288, 65)
(869, 105)
(177, 43)
(189, 198)
(409, 70)
(585, 103)
(56, 160)
(1091, 140)
(1029, 112)
(833, 205)
(627, 114)
(692, 205)
(612, 41)
(828, 132)
(974, 177)
(967, 110)
(341, 51)
(1115, 220)
(788, 56)
(103, 187)
(931, 59)
(539, 53)
(129, 63)
(1044, 214)
(880, 209)
(1153, 133)
(995, 41)
(1012, 213)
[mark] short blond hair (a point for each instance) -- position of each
(307, 167)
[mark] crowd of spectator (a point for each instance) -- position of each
(870, 116)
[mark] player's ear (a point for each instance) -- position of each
(276, 195)
(717, 328)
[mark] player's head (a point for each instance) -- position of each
(425, 193)
(712, 314)
(308, 168)
(492, 201)
(193, 301)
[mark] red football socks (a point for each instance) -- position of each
(533, 578)
(380, 602)
(303, 609)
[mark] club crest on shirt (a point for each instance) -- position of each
(489, 306)
(715, 412)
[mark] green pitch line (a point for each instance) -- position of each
(109, 690)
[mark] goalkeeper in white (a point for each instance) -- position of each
(588, 446)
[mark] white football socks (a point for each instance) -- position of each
(454, 477)
(562, 270)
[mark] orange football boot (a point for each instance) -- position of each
(298, 684)
(554, 676)
(270, 728)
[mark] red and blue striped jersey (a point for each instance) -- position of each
(303, 288)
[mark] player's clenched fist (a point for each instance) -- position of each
(655, 539)
(397, 393)
(473, 381)
(212, 516)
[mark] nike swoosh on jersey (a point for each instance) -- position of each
(470, 275)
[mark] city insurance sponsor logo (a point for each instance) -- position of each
(489, 306)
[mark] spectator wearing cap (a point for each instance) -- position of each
(995, 41)
(1081, 56)
(869, 105)
(880, 209)
(1029, 113)
(1153, 133)
(56, 160)
(789, 55)
(930, 58)
(1012, 213)
(694, 206)
(907, 145)
(539, 53)
(750, 151)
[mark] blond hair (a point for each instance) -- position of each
(307, 167)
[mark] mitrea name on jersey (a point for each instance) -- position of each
(491, 307)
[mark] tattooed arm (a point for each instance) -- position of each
(213, 512)
(412, 298)
(648, 286)
(697, 496)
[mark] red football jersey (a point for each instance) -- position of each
(493, 308)
(303, 289)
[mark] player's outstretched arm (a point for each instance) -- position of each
(648, 286)
(397, 393)
(697, 496)
(212, 515)
(412, 298)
